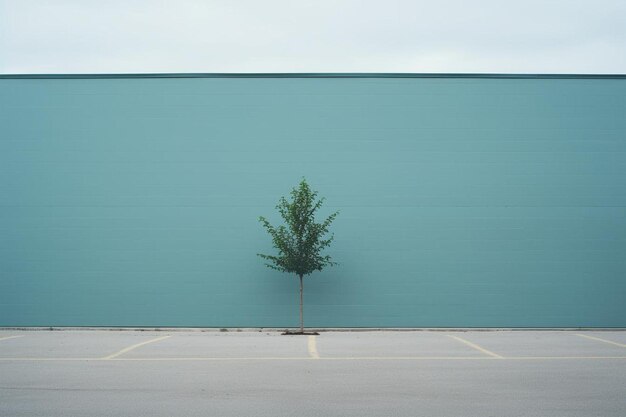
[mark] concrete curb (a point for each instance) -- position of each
(313, 329)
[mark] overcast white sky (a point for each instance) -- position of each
(501, 36)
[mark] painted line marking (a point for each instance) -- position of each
(601, 340)
(313, 353)
(10, 337)
(129, 348)
(363, 358)
(475, 346)
(523, 358)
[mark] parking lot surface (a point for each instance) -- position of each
(385, 373)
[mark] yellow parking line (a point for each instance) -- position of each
(49, 359)
(360, 358)
(601, 340)
(129, 348)
(466, 358)
(404, 358)
(475, 346)
(313, 348)
(10, 337)
(534, 358)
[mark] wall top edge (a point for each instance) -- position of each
(315, 75)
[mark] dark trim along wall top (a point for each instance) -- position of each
(313, 75)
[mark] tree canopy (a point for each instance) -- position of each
(301, 240)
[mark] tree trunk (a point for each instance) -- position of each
(301, 318)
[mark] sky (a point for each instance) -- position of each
(443, 36)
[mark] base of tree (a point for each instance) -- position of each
(290, 333)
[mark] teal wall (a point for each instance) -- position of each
(464, 201)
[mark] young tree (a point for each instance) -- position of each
(301, 240)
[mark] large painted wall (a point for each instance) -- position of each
(465, 201)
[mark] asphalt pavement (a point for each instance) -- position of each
(412, 373)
